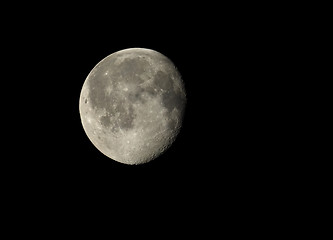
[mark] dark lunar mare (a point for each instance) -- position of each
(112, 103)
(170, 98)
(128, 72)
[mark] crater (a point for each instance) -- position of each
(105, 120)
(151, 90)
(130, 69)
(172, 124)
(119, 116)
(97, 94)
(173, 100)
(170, 98)
(163, 81)
(126, 117)
(137, 95)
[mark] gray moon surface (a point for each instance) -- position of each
(132, 105)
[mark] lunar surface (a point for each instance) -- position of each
(132, 105)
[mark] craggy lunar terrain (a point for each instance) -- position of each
(132, 105)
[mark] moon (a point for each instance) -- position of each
(132, 105)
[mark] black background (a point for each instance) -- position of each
(225, 157)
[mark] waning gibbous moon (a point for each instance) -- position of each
(132, 105)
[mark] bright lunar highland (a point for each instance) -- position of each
(132, 105)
